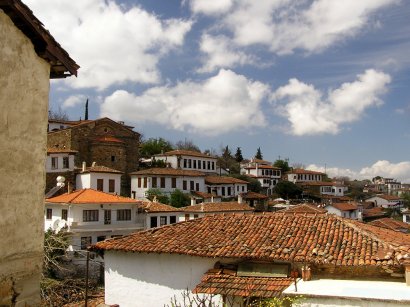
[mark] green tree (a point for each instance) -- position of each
(154, 146)
(86, 110)
(287, 190)
(179, 199)
(161, 197)
(55, 248)
(238, 155)
(259, 154)
(283, 165)
(227, 161)
(187, 145)
(253, 184)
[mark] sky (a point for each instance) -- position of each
(322, 83)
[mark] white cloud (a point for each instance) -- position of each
(220, 104)
(113, 45)
(383, 168)
(74, 100)
(210, 7)
(220, 54)
(310, 113)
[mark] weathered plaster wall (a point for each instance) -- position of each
(24, 88)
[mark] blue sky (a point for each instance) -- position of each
(324, 83)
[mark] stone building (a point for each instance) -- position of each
(103, 141)
(29, 57)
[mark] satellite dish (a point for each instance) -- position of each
(58, 225)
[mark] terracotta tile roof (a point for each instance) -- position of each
(52, 150)
(204, 194)
(189, 153)
(389, 197)
(152, 207)
(225, 282)
(344, 206)
(317, 183)
(109, 139)
(305, 209)
(253, 195)
(260, 161)
(223, 180)
(339, 198)
(373, 212)
(231, 206)
(46, 47)
(101, 169)
(321, 239)
(390, 223)
(169, 172)
(90, 196)
(304, 171)
(263, 167)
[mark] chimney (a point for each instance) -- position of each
(84, 166)
(240, 199)
(212, 199)
(93, 164)
(407, 273)
(192, 201)
(69, 188)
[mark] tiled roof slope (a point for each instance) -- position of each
(390, 223)
(322, 239)
(223, 180)
(190, 153)
(218, 207)
(344, 206)
(89, 196)
(304, 171)
(304, 209)
(169, 172)
(253, 195)
(101, 169)
(151, 207)
(51, 150)
(225, 282)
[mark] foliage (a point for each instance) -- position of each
(254, 185)
(58, 114)
(259, 154)
(194, 300)
(227, 161)
(282, 164)
(179, 199)
(55, 249)
(158, 163)
(406, 199)
(287, 190)
(154, 146)
(161, 197)
(238, 155)
(187, 145)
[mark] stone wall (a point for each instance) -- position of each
(24, 83)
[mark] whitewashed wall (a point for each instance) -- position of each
(89, 181)
(59, 167)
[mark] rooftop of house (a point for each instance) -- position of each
(90, 196)
(203, 194)
(320, 239)
(263, 167)
(304, 171)
(189, 153)
(53, 150)
(253, 195)
(390, 223)
(305, 209)
(44, 43)
(230, 206)
(387, 197)
(319, 183)
(100, 169)
(374, 212)
(223, 180)
(82, 123)
(343, 206)
(169, 172)
(154, 207)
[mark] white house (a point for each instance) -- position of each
(264, 172)
(167, 180)
(60, 160)
(347, 210)
(153, 214)
(225, 187)
(323, 188)
(91, 216)
(100, 178)
(234, 257)
(189, 160)
(302, 175)
(386, 201)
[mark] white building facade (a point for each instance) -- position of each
(99, 178)
(60, 160)
(189, 160)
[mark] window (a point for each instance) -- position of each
(65, 162)
(64, 214)
(153, 222)
(100, 238)
(139, 182)
(223, 191)
(243, 188)
(184, 185)
(197, 186)
(54, 162)
(194, 163)
(154, 182)
(184, 163)
(229, 191)
(199, 164)
(209, 164)
(174, 183)
(113, 158)
(163, 182)
(162, 220)
(85, 242)
(213, 165)
(186, 217)
(133, 194)
(172, 219)
(100, 184)
(195, 216)
(49, 214)
(145, 182)
(90, 215)
(111, 185)
(189, 163)
(192, 185)
(203, 164)
(124, 215)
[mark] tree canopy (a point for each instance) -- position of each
(179, 199)
(187, 145)
(238, 155)
(282, 164)
(254, 185)
(259, 154)
(154, 146)
(287, 190)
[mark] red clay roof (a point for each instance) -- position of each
(204, 194)
(304, 209)
(263, 167)
(152, 207)
(52, 150)
(225, 282)
(101, 169)
(321, 239)
(304, 171)
(189, 153)
(317, 183)
(344, 206)
(169, 172)
(374, 212)
(231, 206)
(390, 223)
(388, 197)
(253, 195)
(90, 196)
(223, 180)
